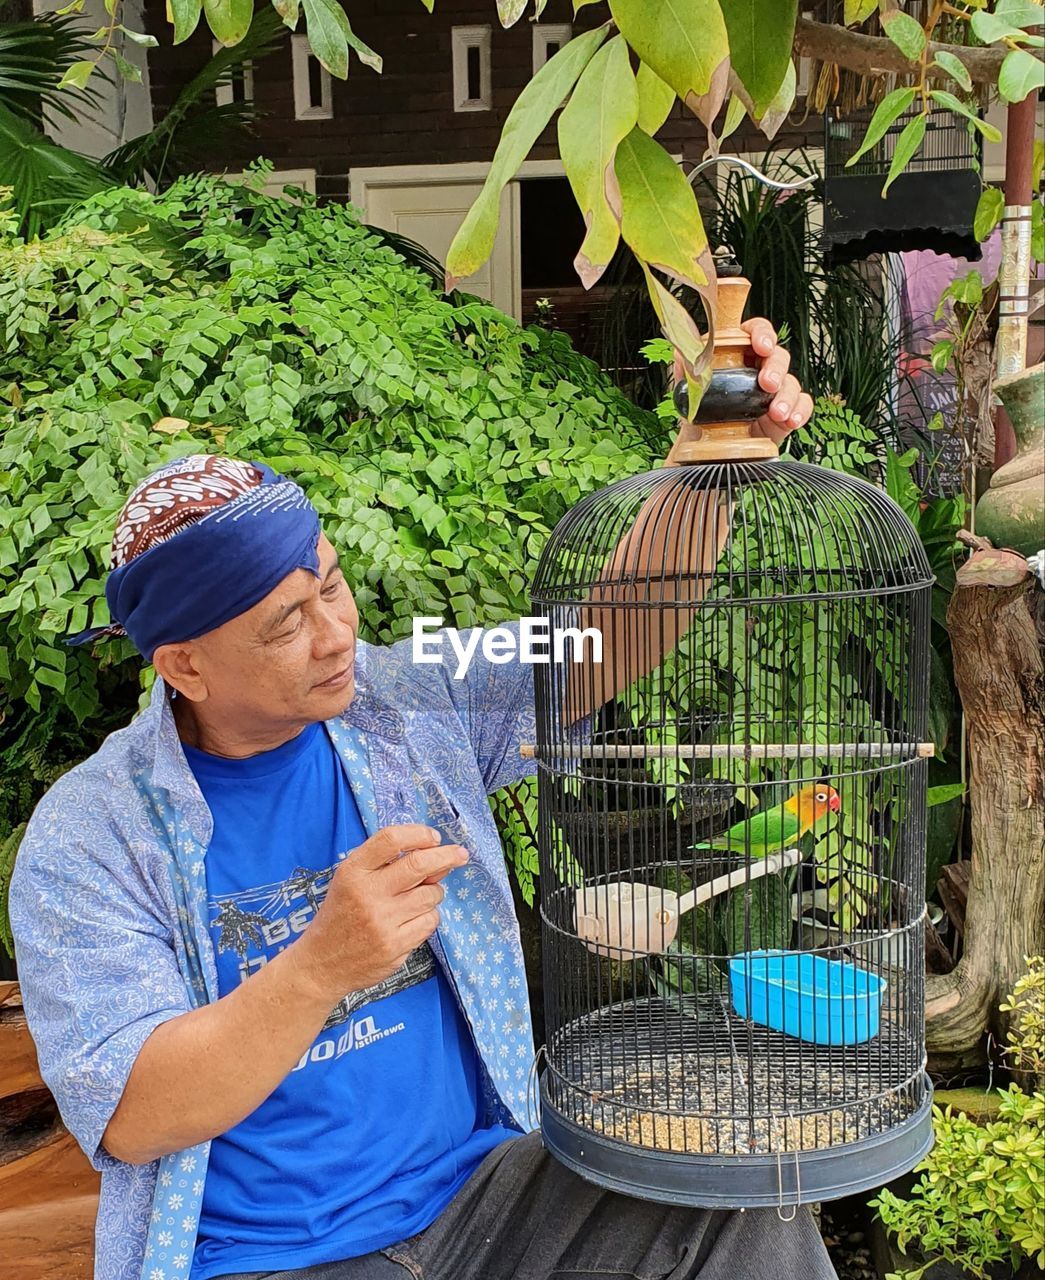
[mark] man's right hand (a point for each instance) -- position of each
(382, 903)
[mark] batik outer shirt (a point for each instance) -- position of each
(108, 907)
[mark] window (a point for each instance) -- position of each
(313, 99)
(240, 87)
(548, 39)
(471, 63)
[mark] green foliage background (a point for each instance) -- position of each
(439, 440)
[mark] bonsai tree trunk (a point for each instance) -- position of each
(995, 620)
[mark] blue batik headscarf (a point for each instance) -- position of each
(199, 542)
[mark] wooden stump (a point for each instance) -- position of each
(995, 621)
(48, 1190)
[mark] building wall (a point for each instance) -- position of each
(124, 109)
(405, 115)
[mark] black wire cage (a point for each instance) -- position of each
(732, 851)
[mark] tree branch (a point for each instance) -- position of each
(875, 55)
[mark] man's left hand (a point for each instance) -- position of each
(791, 407)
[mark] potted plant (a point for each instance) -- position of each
(977, 1212)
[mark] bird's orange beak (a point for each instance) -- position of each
(835, 803)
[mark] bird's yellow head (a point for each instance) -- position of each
(813, 804)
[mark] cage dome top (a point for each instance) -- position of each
(770, 530)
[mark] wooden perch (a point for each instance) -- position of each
(877, 55)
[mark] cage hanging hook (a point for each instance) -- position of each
(750, 169)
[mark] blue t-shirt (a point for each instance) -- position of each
(382, 1120)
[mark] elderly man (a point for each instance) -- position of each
(267, 945)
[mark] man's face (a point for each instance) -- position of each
(288, 660)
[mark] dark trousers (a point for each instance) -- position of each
(524, 1216)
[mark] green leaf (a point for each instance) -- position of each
(1037, 230)
(229, 19)
(891, 106)
(655, 99)
(510, 11)
(943, 793)
(139, 37)
(660, 219)
(185, 14)
(678, 327)
(761, 33)
(602, 110)
(1021, 13)
(328, 33)
(1004, 23)
(533, 108)
(941, 355)
(684, 41)
(288, 11)
(1021, 74)
(857, 10)
(77, 75)
(127, 69)
(364, 52)
(906, 145)
(735, 113)
(905, 32)
(954, 67)
(951, 103)
(777, 111)
(989, 209)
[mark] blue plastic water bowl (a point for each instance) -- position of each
(807, 996)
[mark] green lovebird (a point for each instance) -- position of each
(770, 830)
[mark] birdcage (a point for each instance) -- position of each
(931, 205)
(732, 823)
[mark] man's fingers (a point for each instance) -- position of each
(419, 901)
(762, 335)
(803, 411)
(785, 402)
(388, 843)
(418, 930)
(419, 865)
(774, 369)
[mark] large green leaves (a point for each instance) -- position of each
(602, 110)
(1021, 74)
(684, 41)
(781, 103)
(655, 99)
(905, 32)
(659, 215)
(955, 68)
(760, 37)
(891, 107)
(989, 208)
(857, 10)
(533, 108)
(229, 19)
(951, 103)
(328, 32)
(185, 15)
(510, 11)
(907, 144)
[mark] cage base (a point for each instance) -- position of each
(738, 1182)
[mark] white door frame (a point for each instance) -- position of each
(361, 181)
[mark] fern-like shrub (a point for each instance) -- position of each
(439, 440)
